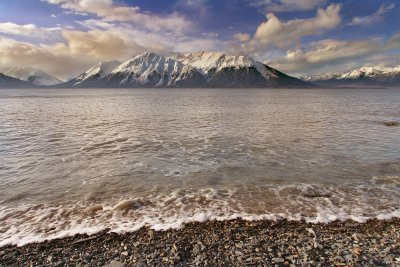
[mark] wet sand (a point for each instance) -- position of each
(223, 243)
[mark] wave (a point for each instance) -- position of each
(164, 210)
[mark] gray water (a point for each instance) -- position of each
(79, 161)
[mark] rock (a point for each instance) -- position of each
(278, 260)
(67, 251)
(49, 258)
(115, 264)
(239, 253)
(150, 233)
(391, 123)
(84, 240)
(196, 249)
(125, 253)
(358, 236)
(59, 264)
(349, 257)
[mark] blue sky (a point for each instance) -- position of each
(64, 37)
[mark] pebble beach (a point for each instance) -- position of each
(223, 243)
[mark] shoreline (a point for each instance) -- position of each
(223, 243)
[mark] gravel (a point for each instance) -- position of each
(226, 243)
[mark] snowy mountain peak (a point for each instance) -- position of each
(200, 69)
(152, 69)
(32, 75)
(371, 74)
(207, 62)
(98, 71)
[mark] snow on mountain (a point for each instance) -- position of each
(208, 62)
(371, 74)
(201, 69)
(152, 70)
(221, 70)
(96, 72)
(32, 75)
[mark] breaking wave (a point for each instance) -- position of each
(160, 211)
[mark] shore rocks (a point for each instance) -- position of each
(227, 243)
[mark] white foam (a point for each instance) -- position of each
(161, 211)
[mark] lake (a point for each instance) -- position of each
(81, 161)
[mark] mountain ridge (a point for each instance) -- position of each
(367, 75)
(198, 69)
(10, 82)
(32, 75)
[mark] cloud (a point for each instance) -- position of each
(278, 34)
(333, 54)
(76, 50)
(198, 8)
(65, 60)
(242, 37)
(376, 17)
(287, 5)
(111, 12)
(101, 45)
(30, 30)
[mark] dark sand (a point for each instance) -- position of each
(227, 243)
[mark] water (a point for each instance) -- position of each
(80, 161)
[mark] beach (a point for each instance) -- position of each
(223, 243)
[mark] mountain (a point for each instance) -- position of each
(32, 75)
(201, 69)
(93, 74)
(10, 82)
(152, 70)
(221, 70)
(375, 76)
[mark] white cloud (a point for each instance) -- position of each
(76, 50)
(111, 12)
(328, 55)
(242, 37)
(287, 5)
(30, 30)
(275, 33)
(64, 60)
(373, 18)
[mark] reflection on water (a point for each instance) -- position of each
(177, 153)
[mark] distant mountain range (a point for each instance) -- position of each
(365, 76)
(31, 75)
(201, 69)
(10, 82)
(192, 70)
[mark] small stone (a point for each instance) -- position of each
(238, 253)
(349, 257)
(115, 264)
(278, 260)
(151, 234)
(196, 249)
(125, 254)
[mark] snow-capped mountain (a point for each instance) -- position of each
(11, 82)
(201, 69)
(221, 70)
(32, 75)
(375, 75)
(93, 74)
(152, 70)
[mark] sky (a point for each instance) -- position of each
(65, 37)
